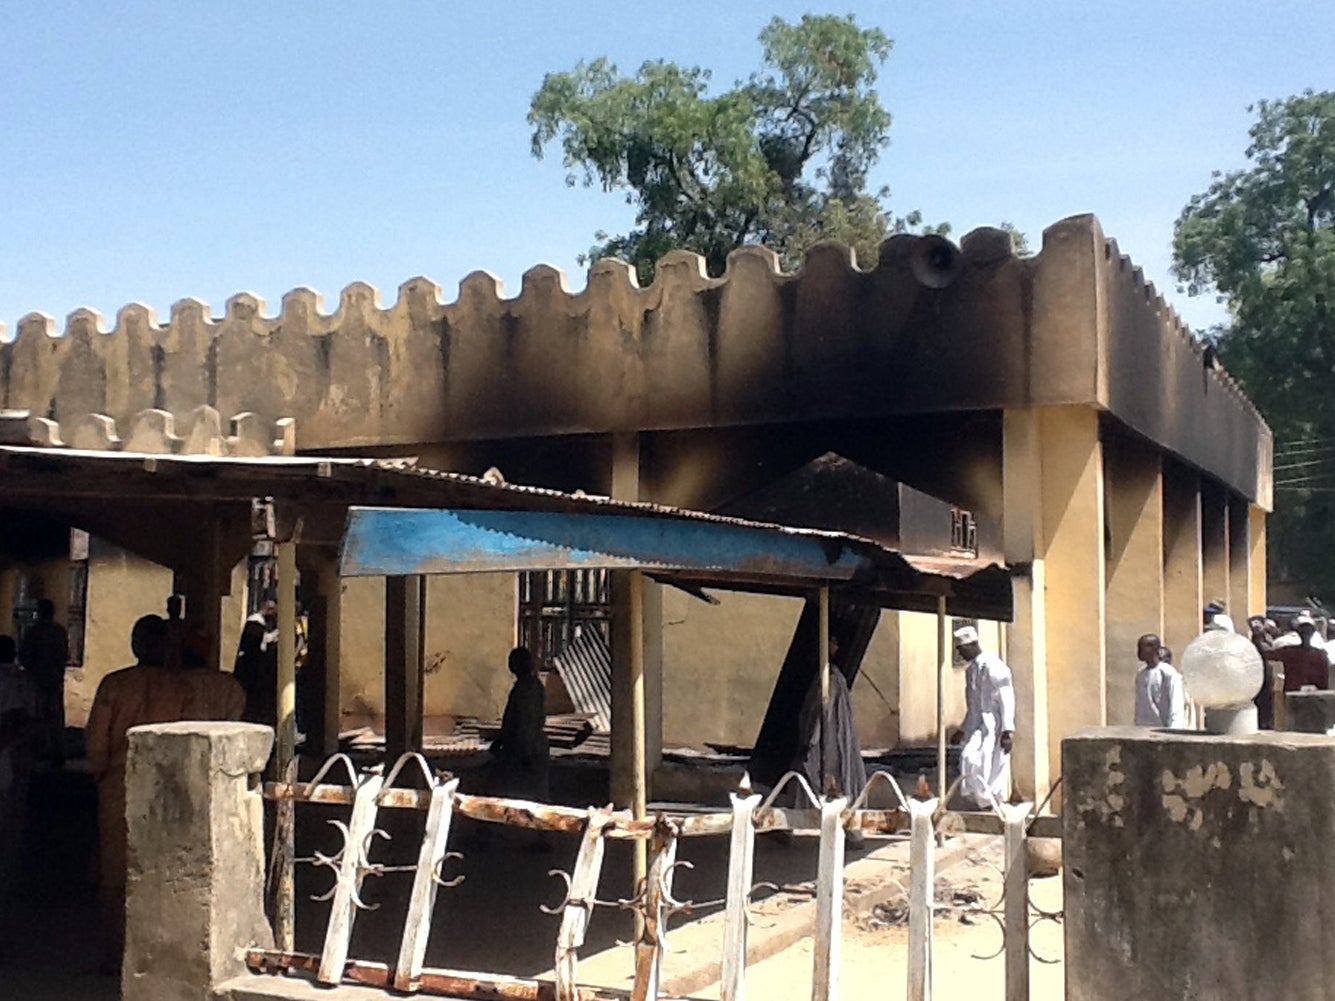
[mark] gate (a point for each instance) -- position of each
(653, 901)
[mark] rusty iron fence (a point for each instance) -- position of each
(653, 902)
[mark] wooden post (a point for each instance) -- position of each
(422, 900)
(578, 907)
(829, 901)
(943, 656)
(331, 598)
(285, 745)
(348, 880)
(640, 793)
(823, 653)
(404, 668)
(741, 869)
(922, 883)
(1016, 924)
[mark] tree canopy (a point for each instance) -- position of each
(780, 158)
(1263, 239)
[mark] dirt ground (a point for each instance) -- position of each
(875, 946)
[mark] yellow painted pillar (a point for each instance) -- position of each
(1256, 569)
(1239, 555)
(1074, 558)
(1181, 557)
(1026, 645)
(1133, 483)
(1215, 548)
(1053, 522)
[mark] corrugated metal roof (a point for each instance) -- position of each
(59, 480)
(585, 667)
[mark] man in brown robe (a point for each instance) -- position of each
(146, 693)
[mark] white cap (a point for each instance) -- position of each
(966, 635)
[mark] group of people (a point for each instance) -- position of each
(1301, 655)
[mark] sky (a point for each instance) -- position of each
(156, 151)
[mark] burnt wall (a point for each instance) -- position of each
(916, 333)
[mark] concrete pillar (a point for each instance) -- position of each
(1182, 579)
(207, 580)
(1215, 548)
(1197, 866)
(1073, 526)
(195, 890)
(1256, 559)
(1239, 555)
(1133, 482)
(1026, 654)
(1053, 520)
(1026, 642)
(404, 667)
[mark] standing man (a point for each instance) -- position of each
(44, 654)
(148, 692)
(19, 732)
(989, 723)
(1160, 697)
(522, 757)
(1262, 639)
(1304, 664)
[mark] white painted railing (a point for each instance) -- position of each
(653, 901)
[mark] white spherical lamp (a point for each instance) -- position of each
(1223, 672)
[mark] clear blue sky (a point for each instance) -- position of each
(153, 151)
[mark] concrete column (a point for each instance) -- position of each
(195, 890)
(1026, 654)
(1053, 520)
(1182, 579)
(1073, 527)
(1256, 559)
(1239, 555)
(1133, 482)
(404, 667)
(1215, 548)
(208, 579)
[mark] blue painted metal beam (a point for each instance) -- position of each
(405, 541)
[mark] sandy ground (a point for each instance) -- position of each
(875, 946)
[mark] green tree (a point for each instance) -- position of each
(781, 158)
(1263, 240)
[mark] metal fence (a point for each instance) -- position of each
(653, 901)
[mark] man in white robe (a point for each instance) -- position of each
(989, 723)
(1160, 698)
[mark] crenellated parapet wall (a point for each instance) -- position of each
(924, 329)
(154, 432)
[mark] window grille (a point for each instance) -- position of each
(554, 605)
(963, 531)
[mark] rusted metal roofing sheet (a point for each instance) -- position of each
(676, 544)
(382, 542)
(585, 667)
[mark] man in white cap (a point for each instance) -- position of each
(989, 723)
(1305, 665)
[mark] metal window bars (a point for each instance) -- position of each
(653, 900)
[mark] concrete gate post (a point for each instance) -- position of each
(195, 887)
(1197, 866)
